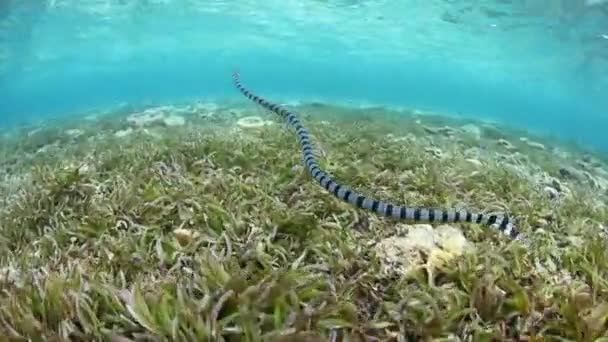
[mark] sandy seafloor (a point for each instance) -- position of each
(154, 198)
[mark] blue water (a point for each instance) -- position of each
(539, 65)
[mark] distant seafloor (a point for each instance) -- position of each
(543, 106)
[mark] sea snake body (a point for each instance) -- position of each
(500, 222)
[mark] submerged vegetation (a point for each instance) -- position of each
(196, 229)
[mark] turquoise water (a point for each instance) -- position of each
(540, 65)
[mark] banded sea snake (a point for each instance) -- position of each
(500, 222)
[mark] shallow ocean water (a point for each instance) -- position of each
(534, 64)
(142, 197)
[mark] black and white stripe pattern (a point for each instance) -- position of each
(500, 222)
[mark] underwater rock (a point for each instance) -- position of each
(560, 154)
(47, 147)
(603, 230)
(551, 192)
(252, 122)
(547, 269)
(554, 183)
(184, 236)
(446, 130)
(541, 222)
(428, 129)
(183, 111)
(535, 145)
(588, 164)
(402, 255)
(570, 173)
(297, 169)
(589, 161)
(435, 151)
(10, 275)
(472, 130)
(207, 106)
(473, 153)
(206, 115)
(147, 117)
(474, 161)
(600, 171)
(596, 182)
(34, 132)
(409, 138)
(236, 112)
(582, 164)
(123, 132)
(86, 168)
(174, 120)
(506, 144)
(154, 133)
(451, 239)
(75, 132)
